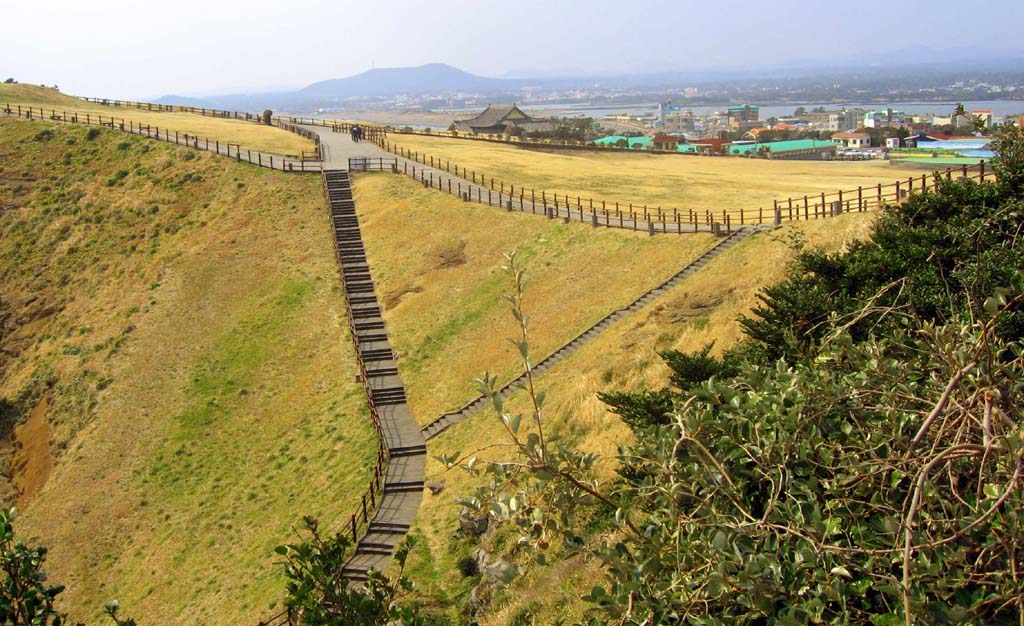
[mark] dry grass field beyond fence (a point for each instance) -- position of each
(247, 134)
(668, 181)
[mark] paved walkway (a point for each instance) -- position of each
(338, 148)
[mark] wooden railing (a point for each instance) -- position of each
(175, 108)
(865, 198)
(305, 133)
(372, 164)
(224, 148)
(673, 219)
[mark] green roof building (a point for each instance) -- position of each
(635, 143)
(782, 147)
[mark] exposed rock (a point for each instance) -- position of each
(472, 524)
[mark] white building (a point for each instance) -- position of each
(853, 140)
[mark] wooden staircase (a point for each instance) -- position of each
(440, 424)
(406, 448)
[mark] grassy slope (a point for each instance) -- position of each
(669, 181)
(701, 310)
(248, 134)
(186, 310)
(437, 262)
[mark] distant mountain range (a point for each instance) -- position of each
(375, 83)
(382, 84)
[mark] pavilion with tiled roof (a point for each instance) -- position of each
(497, 119)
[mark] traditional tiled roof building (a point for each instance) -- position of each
(497, 119)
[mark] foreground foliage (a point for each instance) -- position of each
(25, 597)
(319, 594)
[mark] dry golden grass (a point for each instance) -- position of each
(203, 393)
(247, 134)
(701, 310)
(668, 181)
(437, 262)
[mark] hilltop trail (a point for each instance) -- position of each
(337, 148)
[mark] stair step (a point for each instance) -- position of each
(381, 371)
(407, 451)
(362, 300)
(378, 354)
(388, 528)
(373, 311)
(373, 551)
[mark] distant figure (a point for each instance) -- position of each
(357, 133)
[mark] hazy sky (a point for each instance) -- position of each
(147, 48)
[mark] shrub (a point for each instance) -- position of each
(92, 134)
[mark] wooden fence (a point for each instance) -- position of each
(231, 150)
(554, 207)
(373, 164)
(174, 108)
(606, 212)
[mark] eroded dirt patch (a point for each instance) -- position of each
(32, 461)
(393, 297)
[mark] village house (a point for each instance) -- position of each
(852, 140)
(664, 142)
(500, 119)
(713, 145)
(984, 116)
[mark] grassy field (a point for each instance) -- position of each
(667, 181)
(175, 321)
(701, 310)
(248, 134)
(437, 264)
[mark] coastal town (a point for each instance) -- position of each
(959, 135)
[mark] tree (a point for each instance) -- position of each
(319, 592)
(25, 597)
(800, 112)
(939, 253)
(268, 117)
(9, 81)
